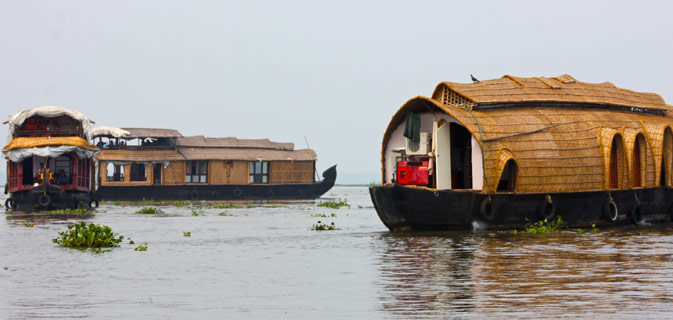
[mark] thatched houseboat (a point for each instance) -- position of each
(49, 160)
(500, 153)
(137, 163)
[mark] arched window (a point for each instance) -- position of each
(508, 177)
(639, 161)
(666, 158)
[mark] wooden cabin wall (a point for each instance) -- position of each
(228, 172)
(291, 172)
(149, 173)
(174, 173)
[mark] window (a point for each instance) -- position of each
(508, 178)
(115, 172)
(197, 171)
(138, 172)
(259, 172)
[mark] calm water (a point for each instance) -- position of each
(266, 263)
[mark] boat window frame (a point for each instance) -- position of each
(259, 172)
(201, 172)
(136, 169)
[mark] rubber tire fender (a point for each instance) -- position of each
(487, 209)
(44, 200)
(93, 203)
(636, 215)
(194, 195)
(10, 204)
(547, 210)
(80, 205)
(237, 192)
(611, 206)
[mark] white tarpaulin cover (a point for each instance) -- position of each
(19, 118)
(17, 155)
(109, 131)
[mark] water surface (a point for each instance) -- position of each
(266, 262)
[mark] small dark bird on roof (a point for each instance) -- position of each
(475, 80)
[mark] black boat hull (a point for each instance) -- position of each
(410, 208)
(220, 192)
(51, 198)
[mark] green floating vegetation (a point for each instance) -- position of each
(274, 206)
(181, 203)
(27, 224)
(142, 247)
(150, 210)
(322, 215)
(544, 226)
(225, 214)
(324, 227)
(365, 207)
(186, 233)
(198, 211)
(115, 203)
(226, 206)
(334, 204)
(88, 236)
(67, 211)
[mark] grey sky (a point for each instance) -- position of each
(333, 72)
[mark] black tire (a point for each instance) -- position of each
(611, 212)
(547, 210)
(93, 203)
(636, 215)
(10, 204)
(237, 192)
(44, 200)
(214, 195)
(487, 209)
(194, 195)
(80, 205)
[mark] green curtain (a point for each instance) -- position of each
(412, 127)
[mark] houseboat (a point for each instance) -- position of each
(50, 163)
(506, 152)
(162, 164)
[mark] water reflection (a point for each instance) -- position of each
(626, 270)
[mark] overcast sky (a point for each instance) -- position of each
(334, 72)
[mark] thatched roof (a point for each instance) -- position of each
(565, 89)
(556, 149)
(231, 142)
(247, 154)
(152, 133)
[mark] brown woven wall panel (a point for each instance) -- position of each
(240, 172)
(218, 172)
(174, 174)
(289, 172)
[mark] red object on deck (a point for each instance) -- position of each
(413, 173)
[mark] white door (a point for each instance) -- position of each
(443, 156)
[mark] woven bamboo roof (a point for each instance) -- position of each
(232, 142)
(152, 133)
(247, 154)
(565, 88)
(555, 149)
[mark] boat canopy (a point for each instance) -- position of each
(30, 142)
(19, 118)
(110, 132)
(18, 155)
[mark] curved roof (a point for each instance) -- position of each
(556, 150)
(16, 120)
(565, 89)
